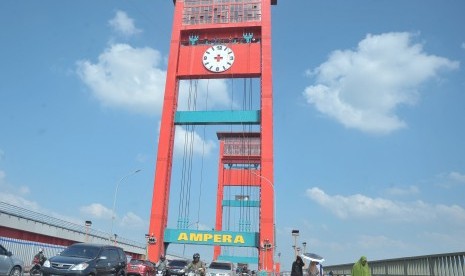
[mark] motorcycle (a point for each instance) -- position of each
(36, 269)
(161, 272)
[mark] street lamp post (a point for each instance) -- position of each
(305, 245)
(88, 224)
(114, 198)
(147, 236)
(274, 211)
(295, 234)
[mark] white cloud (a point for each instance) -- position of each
(142, 158)
(192, 139)
(208, 94)
(14, 195)
(123, 24)
(457, 177)
(19, 201)
(380, 242)
(360, 206)
(126, 77)
(2, 155)
(463, 45)
(397, 191)
(362, 89)
(2, 177)
(450, 180)
(96, 210)
(132, 220)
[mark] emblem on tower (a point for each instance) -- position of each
(218, 58)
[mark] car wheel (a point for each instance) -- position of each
(16, 271)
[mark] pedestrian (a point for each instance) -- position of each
(314, 269)
(361, 267)
(297, 266)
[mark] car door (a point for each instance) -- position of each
(104, 263)
(5, 261)
(114, 261)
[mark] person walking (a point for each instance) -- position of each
(297, 267)
(361, 267)
(314, 269)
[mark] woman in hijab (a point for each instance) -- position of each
(361, 267)
(297, 266)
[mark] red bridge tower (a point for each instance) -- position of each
(219, 39)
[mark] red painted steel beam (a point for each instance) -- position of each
(219, 200)
(267, 220)
(160, 197)
(241, 177)
(273, 2)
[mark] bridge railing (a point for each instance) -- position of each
(450, 264)
(19, 212)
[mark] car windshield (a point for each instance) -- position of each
(177, 263)
(81, 252)
(223, 266)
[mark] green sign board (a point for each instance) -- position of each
(225, 238)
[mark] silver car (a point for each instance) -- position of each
(9, 264)
(221, 268)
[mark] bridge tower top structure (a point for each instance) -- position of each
(217, 39)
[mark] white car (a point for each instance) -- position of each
(221, 268)
(9, 264)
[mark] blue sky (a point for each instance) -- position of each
(369, 120)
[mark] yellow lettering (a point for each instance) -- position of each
(195, 237)
(227, 238)
(211, 237)
(239, 239)
(182, 236)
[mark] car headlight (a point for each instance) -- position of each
(46, 263)
(80, 266)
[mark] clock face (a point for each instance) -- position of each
(218, 58)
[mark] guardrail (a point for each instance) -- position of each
(450, 264)
(19, 212)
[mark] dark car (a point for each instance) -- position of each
(9, 264)
(176, 267)
(87, 259)
(140, 267)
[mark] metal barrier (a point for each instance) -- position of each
(19, 212)
(26, 250)
(450, 264)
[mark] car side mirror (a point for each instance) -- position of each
(8, 253)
